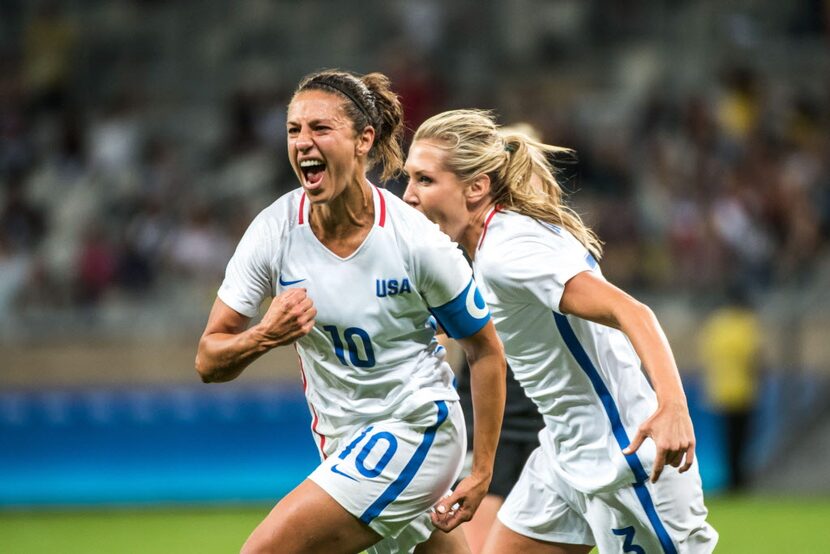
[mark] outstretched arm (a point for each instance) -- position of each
(589, 297)
(228, 346)
(485, 356)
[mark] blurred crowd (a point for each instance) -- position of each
(721, 187)
(695, 189)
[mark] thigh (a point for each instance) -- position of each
(477, 529)
(668, 516)
(308, 520)
(503, 539)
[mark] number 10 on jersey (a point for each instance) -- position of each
(359, 357)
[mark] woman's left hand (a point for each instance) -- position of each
(670, 427)
(453, 510)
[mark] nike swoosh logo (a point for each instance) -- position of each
(338, 472)
(287, 283)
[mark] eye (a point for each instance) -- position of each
(293, 130)
(424, 179)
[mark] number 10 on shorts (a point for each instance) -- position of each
(381, 439)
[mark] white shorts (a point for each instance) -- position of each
(667, 517)
(389, 474)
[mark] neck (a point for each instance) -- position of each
(349, 212)
(471, 233)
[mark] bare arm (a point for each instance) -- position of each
(228, 346)
(592, 298)
(485, 356)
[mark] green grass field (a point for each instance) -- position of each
(746, 525)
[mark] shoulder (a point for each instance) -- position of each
(514, 235)
(287, 210)
(510, 227)
(401, 214)
(508, 238)
(412, 228)
(284, 214)
(269, 229)
(516, 248)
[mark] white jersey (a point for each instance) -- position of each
(371, 354)
(585, 378)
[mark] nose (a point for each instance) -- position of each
(409, 195)
(303, 141)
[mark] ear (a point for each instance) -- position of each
(478, 189)
(365, 140)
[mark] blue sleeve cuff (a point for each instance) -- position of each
(464, 315)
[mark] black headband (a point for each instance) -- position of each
(348, 95)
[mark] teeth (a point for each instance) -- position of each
(311, 163)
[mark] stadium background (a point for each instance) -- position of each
(138, 138)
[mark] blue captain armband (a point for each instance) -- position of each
(464, 315)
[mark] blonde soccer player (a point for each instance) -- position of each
(616, 466)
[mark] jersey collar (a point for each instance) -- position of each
(493, 211)
(380, 205)
(377, 198)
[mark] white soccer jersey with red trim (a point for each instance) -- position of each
(585, 378)
(372, 352)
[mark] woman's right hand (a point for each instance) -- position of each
(289, 317)
(227, 346)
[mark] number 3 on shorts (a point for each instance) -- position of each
(628, 544)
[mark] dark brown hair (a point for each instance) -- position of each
(370, 101)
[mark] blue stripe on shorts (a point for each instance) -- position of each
(398, 485)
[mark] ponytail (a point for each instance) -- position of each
(527, 185)
(387, 149)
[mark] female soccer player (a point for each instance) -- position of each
(575, 343)
(355, 274)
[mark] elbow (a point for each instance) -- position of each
(204, 369)
(644, 313)
(204, 372)
(634, 315)
(637, 307)
(206, 377)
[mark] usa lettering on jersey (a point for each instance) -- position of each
(392, 287)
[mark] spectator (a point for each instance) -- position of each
(730, 349)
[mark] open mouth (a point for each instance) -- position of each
(312, 171)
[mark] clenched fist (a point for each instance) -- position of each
(289, 317)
